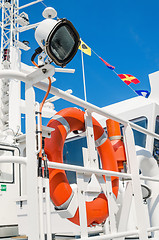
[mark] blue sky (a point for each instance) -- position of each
(124, 33)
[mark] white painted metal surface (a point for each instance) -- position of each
(32, 193)
(29, 4)
(48, 208)
(36, 213)
(84, 232)
(43, 30)
(41, 208)
(136, 187)
(149, 167)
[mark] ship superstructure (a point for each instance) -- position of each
(27, 205)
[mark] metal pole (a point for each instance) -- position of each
(47, 201)
(70, 98)
(29, 4)
(13, 159)
(136, 185)
(32, 194)
(41, 209)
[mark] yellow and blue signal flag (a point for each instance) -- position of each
(84, 48)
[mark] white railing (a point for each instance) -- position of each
(80, 171)
(13, 159)
(32, 164)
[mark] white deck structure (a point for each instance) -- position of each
(25, 209)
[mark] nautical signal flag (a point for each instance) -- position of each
(127, 78)
(107, 64)
(143, 93)
(84, 48)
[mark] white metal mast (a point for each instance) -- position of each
(9, 35)
(10, 59)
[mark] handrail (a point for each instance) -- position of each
(153, 229)
(29, 4)
(99, 172)
(153, 179)
(112, 235)
(119, 234)
(75, 100)
(13, 159)
(13, 74)
(93, 108)
(80, 169)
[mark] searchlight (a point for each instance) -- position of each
(58, 38)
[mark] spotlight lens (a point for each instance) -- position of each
(62, 43)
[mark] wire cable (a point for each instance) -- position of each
(44, 4)
(115, 72)
(43, 101)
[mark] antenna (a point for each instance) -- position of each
(49, 12)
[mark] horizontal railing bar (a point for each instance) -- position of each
(153, 229)
(29, 4)
(80, 169)
(93, 108)
(27, 27)
(75, 100)
(119, 234)
(13, 159)
(12, 74)
(149, 178)
(112, 235)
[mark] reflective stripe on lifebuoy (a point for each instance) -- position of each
(68, 120)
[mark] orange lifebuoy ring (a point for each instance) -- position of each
(68, 120)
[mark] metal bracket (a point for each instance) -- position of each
(46, 131)
(41, 73)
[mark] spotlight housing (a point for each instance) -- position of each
(59, 39)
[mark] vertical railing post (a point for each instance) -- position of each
(136, 185)
(92, 154)
(113, 226)
(90, 160)
(32, 194)
(82, 205)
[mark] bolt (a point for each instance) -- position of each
(44, 70)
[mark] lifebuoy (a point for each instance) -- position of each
(65, 121)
